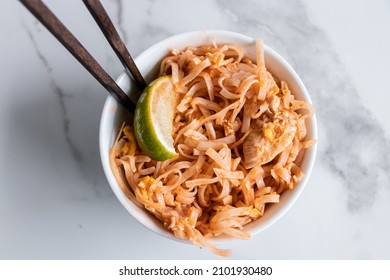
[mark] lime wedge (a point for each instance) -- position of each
(153, 119)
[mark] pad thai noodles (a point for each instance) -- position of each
(239, 134)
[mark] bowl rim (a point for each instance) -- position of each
(296, 192)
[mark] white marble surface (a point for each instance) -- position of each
(55, 202)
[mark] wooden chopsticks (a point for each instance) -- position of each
(103, 20)
(69, 41)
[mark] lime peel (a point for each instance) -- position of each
(153, 120)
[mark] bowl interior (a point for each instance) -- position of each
(148, 62)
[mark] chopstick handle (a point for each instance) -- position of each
(66, 38)
(107, 27)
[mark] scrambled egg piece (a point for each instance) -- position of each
(144, 184)
(131, 145)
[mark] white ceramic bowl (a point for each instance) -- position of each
(148, 62)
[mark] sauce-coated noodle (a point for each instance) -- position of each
(240, 136)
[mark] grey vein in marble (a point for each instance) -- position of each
(119, 17)
(354, 150)
(76, 153)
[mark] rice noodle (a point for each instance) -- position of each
(215, 186)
